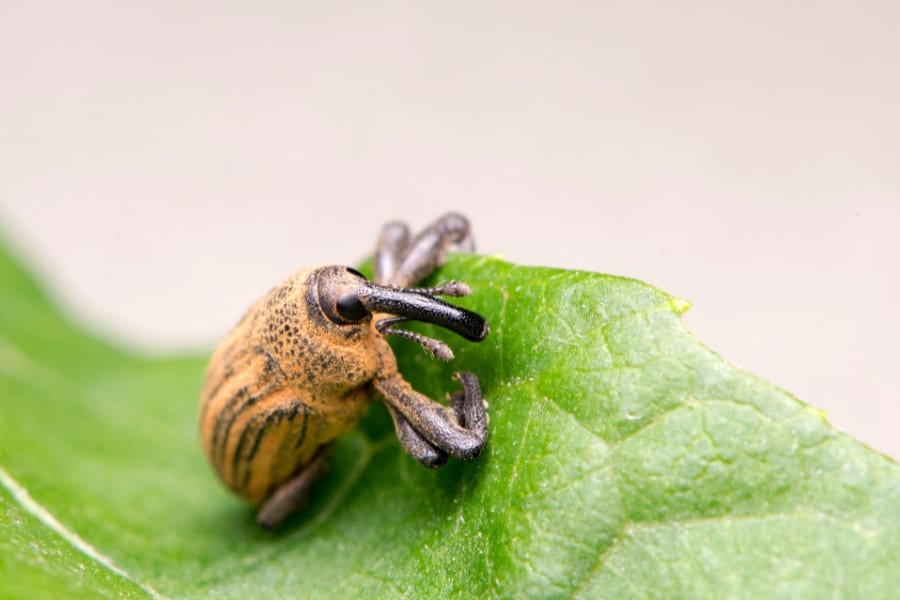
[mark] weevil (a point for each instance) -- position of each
(305, 361)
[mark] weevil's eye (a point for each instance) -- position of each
(355, 272)
(337, 292)
(350, 308)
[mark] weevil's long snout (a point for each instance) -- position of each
(420, 306)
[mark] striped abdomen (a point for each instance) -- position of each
(256, 432)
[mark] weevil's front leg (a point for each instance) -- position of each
(414, 444)
(393, 242)
(466, 412)
(293, 493)
(462, 435)
(471, 414)
(427, 251)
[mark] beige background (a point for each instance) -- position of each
(165, 163)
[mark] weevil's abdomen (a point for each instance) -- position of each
(281, 385)
(257, 437)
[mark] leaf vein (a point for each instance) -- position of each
(38, 511)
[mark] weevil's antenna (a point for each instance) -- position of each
(454, 288)
(436, 348)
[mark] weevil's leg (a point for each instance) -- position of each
(393, 242)
(429, 248)
(292, 494)
(414, 444)
(439, 424)
(469, 413)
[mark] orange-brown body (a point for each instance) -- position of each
(285, 382)
(301, 366)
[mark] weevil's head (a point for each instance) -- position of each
(325, 327)
(348, 300)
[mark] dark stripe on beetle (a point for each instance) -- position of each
(303, 427)
(222, 448)
(272, 365)
(231, 411)
(220, 430)
(285, 452)
(279, 415)
(253, 424)
(230, 361)
(207, 401)
(226, 421)
(258, 428)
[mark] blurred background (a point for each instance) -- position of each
(163, 164)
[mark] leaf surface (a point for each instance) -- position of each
(625, 460)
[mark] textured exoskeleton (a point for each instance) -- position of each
(303, 363)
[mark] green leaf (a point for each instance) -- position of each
(625, 460)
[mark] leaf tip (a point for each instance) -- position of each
(679, 305)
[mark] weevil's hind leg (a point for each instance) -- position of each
(414, 444)
(462, 435)
(292, 494)
(428, 250)
(393, 242)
